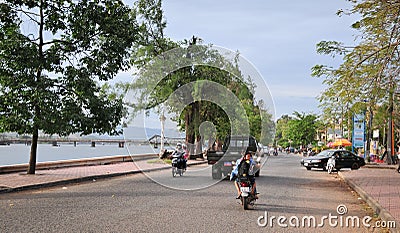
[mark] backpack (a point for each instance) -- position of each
(244, 168)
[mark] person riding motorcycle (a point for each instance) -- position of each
(181, 151)
(234, 175)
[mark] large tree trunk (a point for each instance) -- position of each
(390, 136)
(32, 159)
(192, 124)
(197, 122)
(189, 129)
(199, 146)
(35, 134)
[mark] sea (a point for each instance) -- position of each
(19, 153)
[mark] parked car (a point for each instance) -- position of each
(344, 159)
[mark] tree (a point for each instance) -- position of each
(297, 130)
(268, 128)
(152, 24)
(52, 56)
(198, 84)
(194, 100)
(159, 78)
(282, 130)
(370, 69)
(302, 129)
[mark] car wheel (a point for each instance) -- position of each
(355, 166)
(308, 168)
(324, 167)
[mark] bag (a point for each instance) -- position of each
(244, 168)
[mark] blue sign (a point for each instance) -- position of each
(358, 130)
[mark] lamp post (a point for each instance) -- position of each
(369, 132)
(162, 120)
(390, 137)
(390, 134)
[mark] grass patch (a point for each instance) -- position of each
(160, 161)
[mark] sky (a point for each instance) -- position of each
(278, 37)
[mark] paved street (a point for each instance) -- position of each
(136, 203)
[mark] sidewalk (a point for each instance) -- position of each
(17, 181)
(379, 186)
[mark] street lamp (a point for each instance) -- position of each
(369, 132)
(390, 136)
(162, 120)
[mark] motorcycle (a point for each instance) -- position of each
(178, 163)
(247, 198)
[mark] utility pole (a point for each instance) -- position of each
(369, 132)
(390, 133)
(390, 140)
(162, 119)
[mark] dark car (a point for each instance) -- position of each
(343, 159)
(223, 161)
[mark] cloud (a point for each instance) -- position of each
(278, 37)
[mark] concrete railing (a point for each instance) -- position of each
(77, 162)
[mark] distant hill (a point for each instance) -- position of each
(146, 133)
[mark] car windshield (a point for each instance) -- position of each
(325, 153)
(239, 143)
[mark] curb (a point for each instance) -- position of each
(86, 178)
(382, 212)
(377, 166)
(77, 162)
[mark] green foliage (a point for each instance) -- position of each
(194, 94)
(159, 78)
(151, 25)
(330, 47)
(281, 137)
(297, 130)
(369, 75)
(48, 77)
(53, 55)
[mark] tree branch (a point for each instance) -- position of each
(30, 15)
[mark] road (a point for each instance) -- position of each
(156, 202)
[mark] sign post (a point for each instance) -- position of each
(358, 139)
